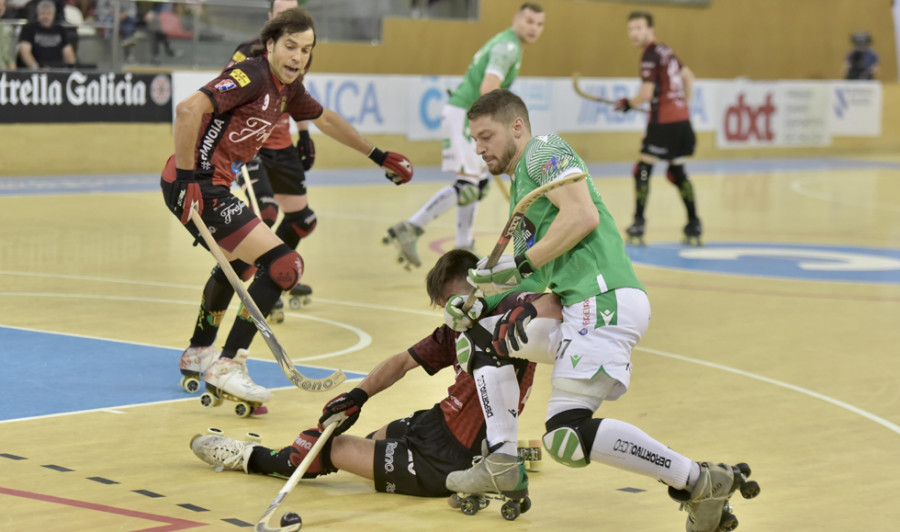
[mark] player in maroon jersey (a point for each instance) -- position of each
(228, 120)
(667, 84)
(412, 455)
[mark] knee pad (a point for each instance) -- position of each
(283, 265)
(642, 172)
(467, 192)
(268, 210)
(474, 350)
(301, 222)
(321, 464)
(570, 436)
(676, 174)
(241, 268)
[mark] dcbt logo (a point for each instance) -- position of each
(792, 261)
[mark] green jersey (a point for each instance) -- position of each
(598, 263)
(502, 56)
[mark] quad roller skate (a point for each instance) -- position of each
(497, 476)
(707, 504)
(227, 379)
(692, 232)
(634, 235)
(300, 296)
(404, 235)
(223, 452)
(276, 315)
(531, 452)
(193, 365)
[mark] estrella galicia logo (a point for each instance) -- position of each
(790, 261)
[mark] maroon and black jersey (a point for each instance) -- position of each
(248, 101)
(281, 135)
(462, 411)
(660, 66)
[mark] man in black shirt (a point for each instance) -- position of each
(43, 44)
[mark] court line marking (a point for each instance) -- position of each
(841, 404)
(816, 395)
(173, 523)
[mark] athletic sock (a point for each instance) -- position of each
(213, 304)
(441, 202)
(498, 392)
(465, 225)
(627, 447)
(264, 293)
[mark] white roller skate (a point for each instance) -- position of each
(494, 476)
(707, 504)
(404, 235)
(223, 452)
(228, 379)
(193, 365)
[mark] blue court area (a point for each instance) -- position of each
(786, 261)
(48, 373)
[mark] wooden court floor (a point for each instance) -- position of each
(800, 378)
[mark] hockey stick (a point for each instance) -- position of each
(515, 219)
(263, 524)
(502, 186)
(251, 194)
(299, 380)
(576, 78)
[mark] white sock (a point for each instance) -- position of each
(441, 202)
(465, 225)
(627, 447)
(498, 392)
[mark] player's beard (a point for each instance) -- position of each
(502, 163)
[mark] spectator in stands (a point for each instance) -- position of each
(862, 62)
(43, 43)
(159, 39)
(7, 54)
(128, 17)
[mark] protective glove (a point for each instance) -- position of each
(306, 149)
(623, 105)
(509, 333)
(184, 194)
(344, 409)
(397, 168)
(457, 319)
(503, 276)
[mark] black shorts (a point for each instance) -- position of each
(417, 454)
(669, 141)
(229, 219)
(285, 171)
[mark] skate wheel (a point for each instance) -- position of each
(750, 489)
(260, 410)
(510, 510)
(215, 432)
(526, 504)
(744, 469)
(469, 505)
(242, 409)
(208, 399)
(253, 436)
(728, 522)
(386, 240)
(276, 316)
(190, 384)
(295, 303)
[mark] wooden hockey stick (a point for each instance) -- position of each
(576, 78)
(502, 186)
(251, 194)
(515, 219)
(264, 525)
(299, 380)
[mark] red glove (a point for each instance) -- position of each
(344, 409)
(397, 167)
(511, 328)
(306, 149)
(623, 105)
(185, 192)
